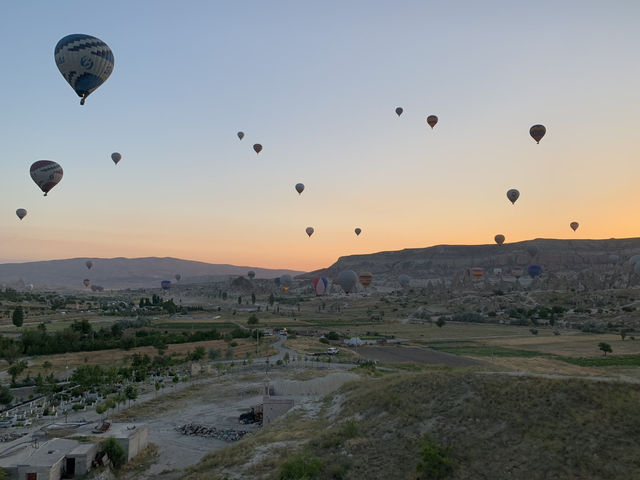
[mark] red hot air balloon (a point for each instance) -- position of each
(537, 132)
(47, 174)
(257, 148)
(574, 226)
(432, 120)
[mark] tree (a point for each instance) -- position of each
(101, 408)
(5, 396)
(253, 319)
(435, 463)
(440, 322)
(18, 316)
(131, 392)
(114, 451)
(605, 347)
(240, 300)
(272, 299)
(16, 369)
(253, 299)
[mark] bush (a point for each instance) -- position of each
(301, 466)
(434, 463)
(114, 451)
(324, 340)
(253, 320)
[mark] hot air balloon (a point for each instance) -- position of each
(166, 285)
(30, 287)
(537, 132)
(309, 231)
(497, 272)
(177, 276)
(365, 279)
(636, 268)
(432, 120)
(320, 285)
(499, 239)
(89, 264)
(286, 281)
(86, 282)
(240, 135)
(634, 259)
(47, 174)
(358, 231)
(257, 148)
(277, 281)
(532, 250)
(347, 279)
(404, 280)
(477, 272)
(399, 111)
(84, 61)
(251, 274)
(513, 195)
(21, 213)
(116, 157)
(613, 258)
(517, 271)
(299, 188)
(534, 270)
(574, 226)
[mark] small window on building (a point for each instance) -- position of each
(32, 476)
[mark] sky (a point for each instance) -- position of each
(317, 84)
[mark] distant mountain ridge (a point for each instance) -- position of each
(445, 261)
(120, 272)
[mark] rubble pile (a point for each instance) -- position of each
(10, 437)
(226, 434)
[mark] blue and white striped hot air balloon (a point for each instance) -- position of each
(84, 61)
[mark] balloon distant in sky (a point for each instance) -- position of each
(309, 231)
(240, 135)
(432, 120)
(21, 213)
(89, 264)
(517, 272)
(251, 274)
(365, 279)
(477, 273)
(166, 285)
(499, 239)
(613, 258)
(84, 61)
(46, 173)
(86, 282)
(537, 132)
(399, 111)
(358, 231)
(320, 285)
(286, 281)
(513, 195)
(96, 288)
(534, 270)
(574, 226)
(257, 148)
(177, 276)
(116, 157)
(532, 250)
(404, 280)
(299, 187)
(347, 280)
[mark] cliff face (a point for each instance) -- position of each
(557, 257)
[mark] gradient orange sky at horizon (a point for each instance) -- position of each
(317, 86)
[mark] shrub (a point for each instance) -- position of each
(302, 465)
(324, 340)
(114, 451)
(434, 460)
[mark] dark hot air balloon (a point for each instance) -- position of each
(257, 148)
(537, 132)
(309, 231)
(399, 111)
(240, 135)
(513, 195)
(432, 120)
(574, 226)
(116, 157)
(21, 213)
(46, 173)
(347, 279)
(499, 239)
(299, 187)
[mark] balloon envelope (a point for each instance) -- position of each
(286, 281)
(477, 273)
(432, 120)
(89, 264)
(636, 268)
(365, 279)
(21, 213)
(404, 279)
(537, 132)
(613, 258)
(574, 226)
(517, 271)
(534, 270)
(634, 259)
(257, 148)
(399, 111)
(84, 61)
(46, 173)
(320, 285)
(240, 135)
(309, 231)
(299, 187)
(116, 157)
(177, 276)
(86, 282)
(513, 195)
(166, 285)
(251, 274)
(532, 250)
(499, 239)
(358, 231)
(347, 279)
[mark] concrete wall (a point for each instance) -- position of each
(137, 441)
(274, 407)
(53, 472)
(84, 458)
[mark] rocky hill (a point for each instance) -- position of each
(120, 273)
